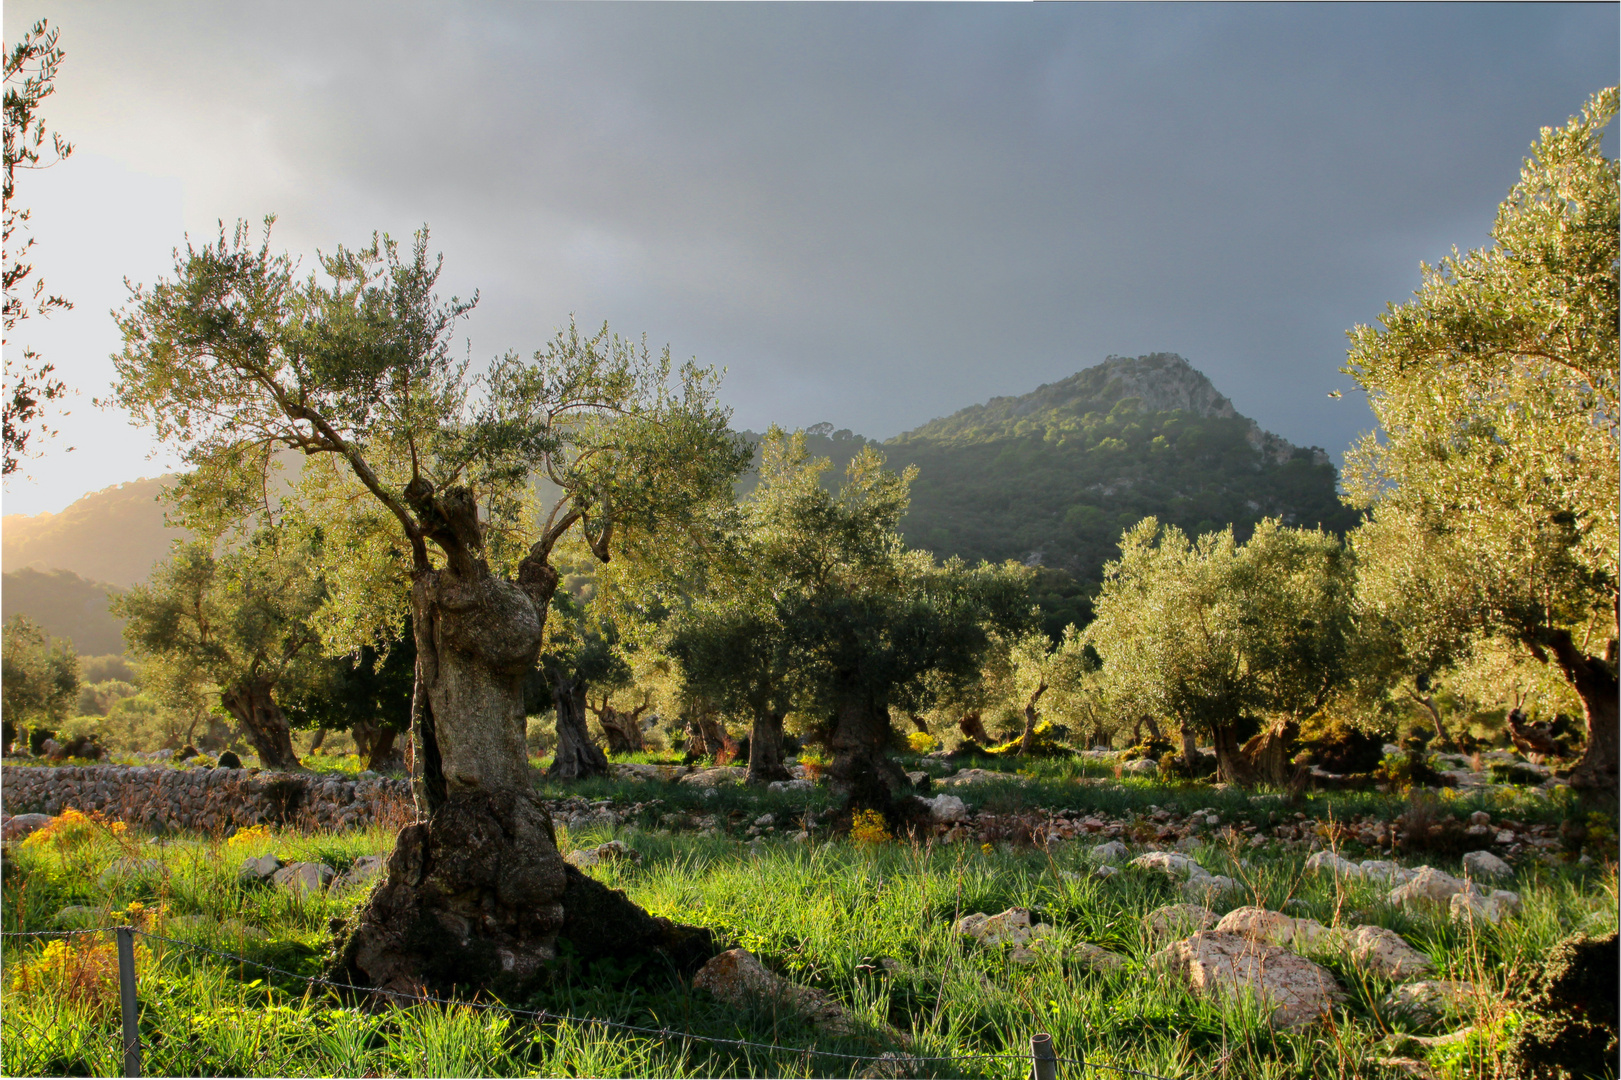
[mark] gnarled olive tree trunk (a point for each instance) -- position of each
(862, 769)
(1594, 680)
(577, 756)
(253, 704)
(765, 749)
(476, 894)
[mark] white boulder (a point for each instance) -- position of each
(612, 851)
(1494, 908)
(946, 808)
(1177, 920)
(1484, 866)
(1228, 965)
(1274, 928)
(1384, 953)
(1111, 852)
(1171, 864)
(302, 877)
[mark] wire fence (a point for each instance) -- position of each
(1042, 1058)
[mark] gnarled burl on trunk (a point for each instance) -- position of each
(476, 893)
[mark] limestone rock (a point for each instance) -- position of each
(1176, 920)
(944, 808)
(1227, 965)
(1493, 908)
(1386, 871)
(738, 979)
(1112, 852)
(1484, 866)
(1273, 928)
(976, 776)
(1208, 889)
(1140, 767)
(20, 826)
(1385, 953)
(1171, 864)
(790, 785)
(300, 877)
(254, 870)
(1428, 886)
(724, 774)
(1429, 1001)
(1096, 958)
(1327, 861)
(364, 870)
(1012, 925)
(612, 851)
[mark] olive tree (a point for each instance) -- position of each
(236, 625)
(40, 682)
(1227, 638)
(1493, 478)
(424, 471)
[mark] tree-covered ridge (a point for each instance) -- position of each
(1055, 476)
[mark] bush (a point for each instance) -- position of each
(1574, 1005)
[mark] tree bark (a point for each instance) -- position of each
(765, 749)
(476, 894)
(253, 703)
(1594, 680)
(1441, 734)
(386, 754)
(1190, 748)
(1270, 754)
(1153, 728)
(317, 739)
(1027, 742)
(622, 729)
(973, 728)
(862, 770)
(577, 756)
(1232, 766)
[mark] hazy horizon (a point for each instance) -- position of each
(872, 215)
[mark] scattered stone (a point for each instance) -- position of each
(1012, 925)
(1330, 862)
(1384, 953)
(1141, 767)
(20, 826)
(1096, 958)
(1170, 864)
(738, 979)
(1428, 886)
(945, 808)
(1386, 871)
(1483, 865)
(258, 869)
(1494, 909)
(1112, 852)
(1272, 928)
(723, 774)
(1105, 872)
(1207, 889)
(1188, 843)
(302, 877)
(612, 851)
(1427, 1002)
(790, 785)
(1177, 920)
(1480, 817)
(364, 870)
(765, 821)
(976, 776)
(1225, 965)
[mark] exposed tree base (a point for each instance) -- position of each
(478, 898)
(577, 757)
(766, 751)
(873, 782)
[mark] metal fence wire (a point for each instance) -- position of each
(1042, 1057)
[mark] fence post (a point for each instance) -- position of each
(126, 990)
(1043, 1061)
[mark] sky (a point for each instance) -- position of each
(872, 215)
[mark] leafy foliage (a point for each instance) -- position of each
(40, 682)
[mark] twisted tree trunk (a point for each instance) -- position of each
(1594, 680)
(622, 729)
(1027, 742)
(765, 749)
(477, 895)
(862, 770)
(577, 756)
(253, 703)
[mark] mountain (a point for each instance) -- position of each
(113, 535)
(66, 605)
(1053, 477)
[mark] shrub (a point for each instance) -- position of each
(921, 742)
(82, 970)
(869, 827)
(71, 829)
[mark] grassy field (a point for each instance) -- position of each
(827, 913)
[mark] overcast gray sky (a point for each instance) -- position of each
(870, 214)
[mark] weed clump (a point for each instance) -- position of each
(1571, 1032)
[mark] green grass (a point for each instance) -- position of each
(824, 913)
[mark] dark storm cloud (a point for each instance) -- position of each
(872, 214)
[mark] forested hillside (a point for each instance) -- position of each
(1052, 478)
(67, 606)
(112, 535)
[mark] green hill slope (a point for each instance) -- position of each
(1052, 478)
(112, 535)
(66, 605)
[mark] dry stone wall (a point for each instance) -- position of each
(205, 799)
